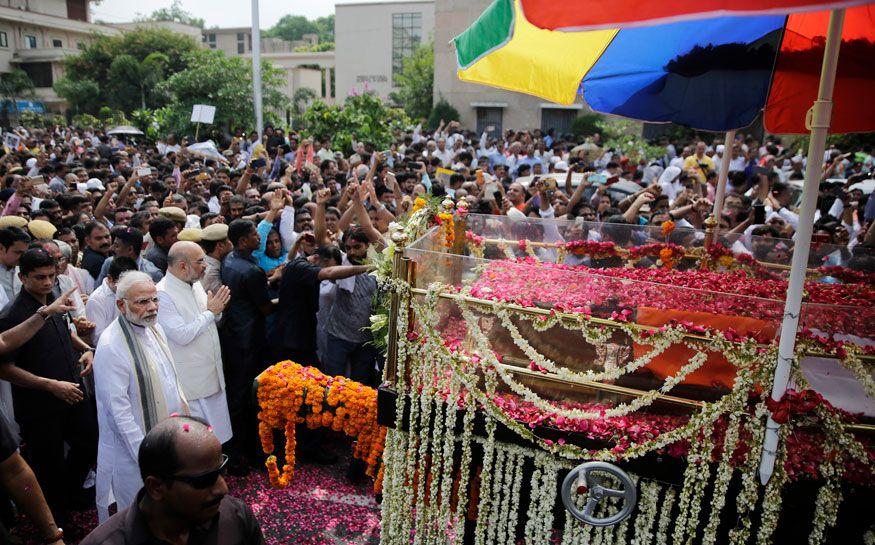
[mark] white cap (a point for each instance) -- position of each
(720, 148)
(94, 183)
(30, 162)
(561, 166)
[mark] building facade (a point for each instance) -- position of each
(373, 38)
(302, 69)
(36, 35)
(484, 108)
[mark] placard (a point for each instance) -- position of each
(202, 113)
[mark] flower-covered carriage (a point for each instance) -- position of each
(518, 349)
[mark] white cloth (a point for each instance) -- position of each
(119, 417)
(101, 309)
(670, 184)
(835, 383)
(9, 281)
(194, 343)
(65, 283)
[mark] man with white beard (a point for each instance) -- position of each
(136, 387)
(188, 316)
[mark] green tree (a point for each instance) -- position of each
(321, 46)
(82, 95)
(223, 82)
(94, 63)
(364, 117)
(325, 28)
(301, 100)
(416, 82)
(442, 110)
(132, 81)
(14, 85)
(293, 27)
(173, 13)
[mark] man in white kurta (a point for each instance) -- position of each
(189, 315)
(133, 392)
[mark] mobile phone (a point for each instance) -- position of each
(759, 214)
(36, 180)
(550, 184)
(257, 163)
(144, 171)
(496, 195)
(596, 178)
(612, 180)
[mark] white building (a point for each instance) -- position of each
(36, 35)
(302, 69)
(372, 39)
(480, 106)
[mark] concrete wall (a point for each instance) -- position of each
(363, 43)
(452, 17)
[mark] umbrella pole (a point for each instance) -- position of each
(720, 191)
(818, 122)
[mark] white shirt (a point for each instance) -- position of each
(101, 309)
(9, 281)
(118, 412)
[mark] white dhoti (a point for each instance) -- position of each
(120, 414)
(214, 409)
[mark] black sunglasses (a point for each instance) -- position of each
(204, 480)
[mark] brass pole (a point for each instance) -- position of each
(399, 272)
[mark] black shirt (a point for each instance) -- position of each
(244, 322)
(47, 354)
(92, 262)
(298, 305)
(233, 525)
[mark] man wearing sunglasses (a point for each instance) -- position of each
(184, 498)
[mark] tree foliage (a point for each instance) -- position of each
(321, 46)
(14, 85)
(173, 13)
(416, 82)
(293, 27)
(94, 66)
(363, 117)
(442, 110)
(226, 83)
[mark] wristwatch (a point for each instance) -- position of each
(44, 312)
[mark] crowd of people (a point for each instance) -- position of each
(146, 285)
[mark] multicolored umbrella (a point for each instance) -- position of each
(713, 74)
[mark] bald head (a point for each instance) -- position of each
(185, 261)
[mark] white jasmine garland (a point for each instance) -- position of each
(648, 504)
(665, 515)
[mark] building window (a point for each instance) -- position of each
(4, 39)
(406, 36)
(489, 121)
(210, 40)
(241, 43)
(29, 41)
(80, 45)
(39, 72)
(57, 43)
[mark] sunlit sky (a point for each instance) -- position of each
(221, 13)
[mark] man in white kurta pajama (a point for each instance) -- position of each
(136, 387)
(189, 315)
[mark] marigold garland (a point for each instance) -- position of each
(291, 394)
